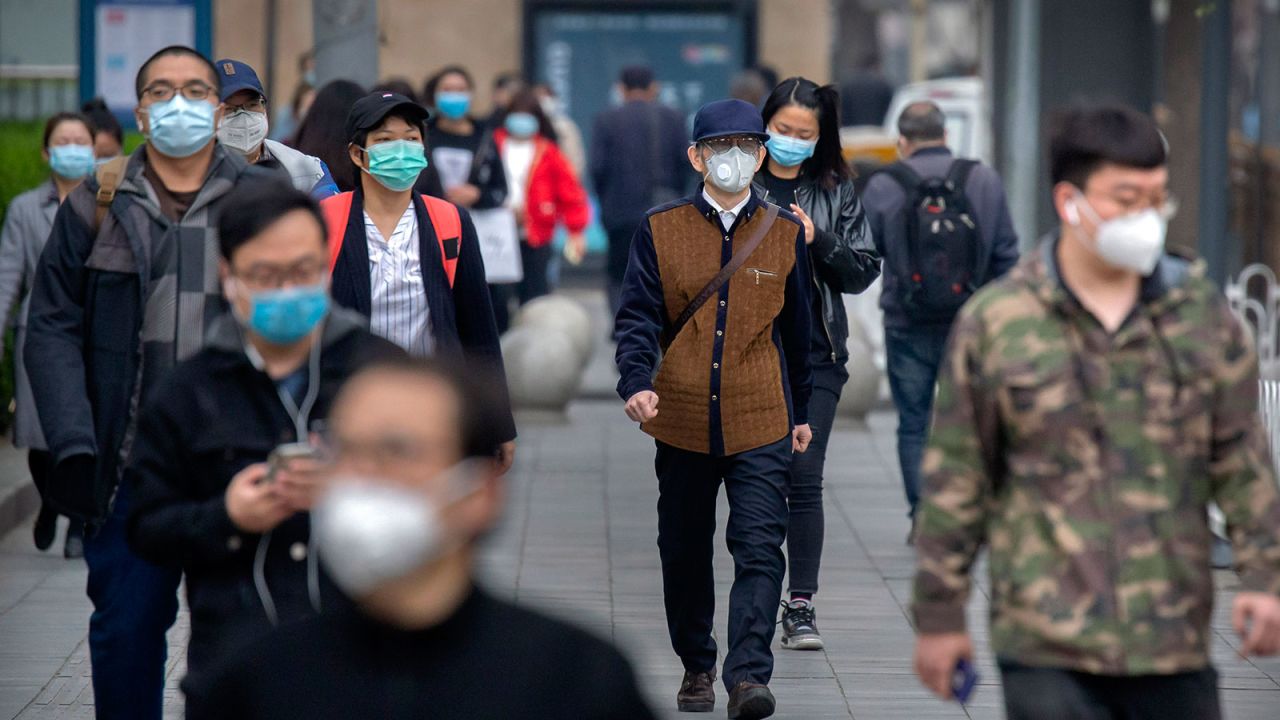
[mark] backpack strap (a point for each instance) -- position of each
(444, 216)
(959, 174)
(447, 223)
(336, 209)
(109, 175)
(906, 177)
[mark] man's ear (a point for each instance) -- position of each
(356, 155)
(139, 118)
(695, 159)
(761, 154)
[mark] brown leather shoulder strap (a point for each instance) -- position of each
(723, 276)
(109, 174)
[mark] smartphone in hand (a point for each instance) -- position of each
(963, 681)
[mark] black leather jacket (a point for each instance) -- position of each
(842, 257)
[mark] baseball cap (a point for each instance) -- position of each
(727, 118)
(370, 110)
(235, 77)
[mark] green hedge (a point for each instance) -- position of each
(22, 168)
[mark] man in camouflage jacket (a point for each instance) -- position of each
(1092, 403)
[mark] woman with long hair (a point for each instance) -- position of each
(323, 134)
(806, 174)
(461, 147)
(68, 147)
(542, 190)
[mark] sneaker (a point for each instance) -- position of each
(800, 626)
(697, 692)
(73, 545)
(750, 701)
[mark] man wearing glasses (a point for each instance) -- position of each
(205, 495)
(714, 323)
(1091, 404)
(124, 291)
(242, 126)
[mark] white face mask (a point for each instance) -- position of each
(370, 532)
(243, 131)
(731, 170)
(1133, 242)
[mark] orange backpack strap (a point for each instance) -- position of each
(447, 223)
(336, 211)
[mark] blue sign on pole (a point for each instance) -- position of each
(117, 36)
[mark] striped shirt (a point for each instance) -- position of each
(399, 310)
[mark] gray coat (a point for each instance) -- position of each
(26, 228)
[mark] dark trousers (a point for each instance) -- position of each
(1050, 694)
(134, 603)
(535, 262)
(913, 356)
(616, 267)
(756, 484)
(806, 527)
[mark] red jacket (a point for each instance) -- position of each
(552, 194)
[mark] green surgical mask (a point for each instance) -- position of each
(396, 164)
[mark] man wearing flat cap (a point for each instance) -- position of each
(713, 338)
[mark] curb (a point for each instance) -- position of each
(16, 505)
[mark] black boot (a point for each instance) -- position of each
(46, 528)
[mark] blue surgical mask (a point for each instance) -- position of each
(453, 105)
(286, 315)
(71, 162)
(179, 127)
(788, 151)
(396, 164)
(521, 124)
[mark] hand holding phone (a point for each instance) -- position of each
(963, 681)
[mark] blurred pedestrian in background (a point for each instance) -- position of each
(225, 466)
(322, 133)
(1093, 402)
(638, 161)
(505, 88)
(410, 263)
(942, 226)
(543, 192)
(568, 136)
(68, 147)
(412, 492)
(108, 137)
(867, 95)
(462, 149)
(104, 327)
(400, 86)
(807, 174)
(713, 358)
(242, 126)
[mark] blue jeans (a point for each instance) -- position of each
(756, 484)
(913, 356)
(134, 603)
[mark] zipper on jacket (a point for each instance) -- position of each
(759, 273)
(822, 299)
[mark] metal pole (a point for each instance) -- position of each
(919, 40)
(346, 40)
(269, 65)
(1022, 121)
(1217, 246)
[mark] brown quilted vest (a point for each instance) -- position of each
(752, 402)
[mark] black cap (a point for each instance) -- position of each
(370, 110)
(728, 118)
(637, 77)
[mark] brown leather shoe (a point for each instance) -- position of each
(697, 692)
(750, 701)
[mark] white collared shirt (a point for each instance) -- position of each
(726, 216)
(399, 310)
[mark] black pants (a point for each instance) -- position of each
(806, 528)
(1049, 694)
(756, 484)
(535, 262)
(616, 268)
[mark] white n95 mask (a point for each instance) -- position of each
(1132, 242)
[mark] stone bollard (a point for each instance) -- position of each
(556, 312)
(862, 392)
(546, 352)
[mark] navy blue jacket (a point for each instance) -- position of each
(462, 323)
(643, 315)
(625, 156)
(884, 200)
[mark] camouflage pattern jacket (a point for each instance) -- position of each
(1085, 461)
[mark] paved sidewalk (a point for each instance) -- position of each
(578, 540)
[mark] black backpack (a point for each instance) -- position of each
(938, 269)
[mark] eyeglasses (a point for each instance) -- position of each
(747, 144)
(161, 91)
(264, 277)
(384, 452)
(257, 105)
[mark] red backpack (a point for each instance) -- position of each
(444, 217)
